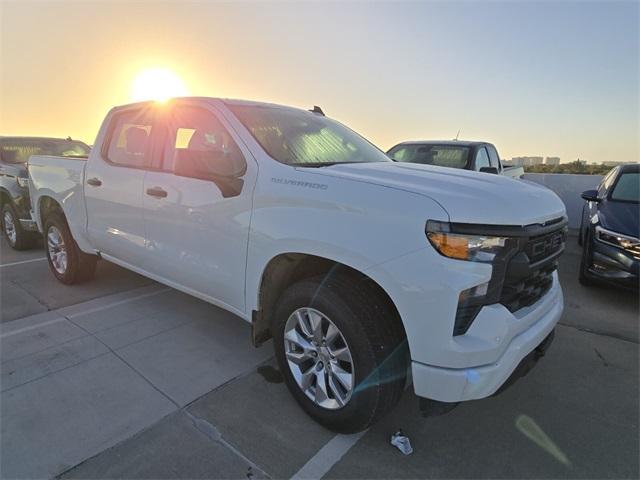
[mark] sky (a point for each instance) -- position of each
(535, 78)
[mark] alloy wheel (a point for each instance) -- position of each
(9, 227)
(319, 358)
(57, 250)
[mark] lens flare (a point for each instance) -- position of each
(157, 84)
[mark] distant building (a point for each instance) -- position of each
(614, 164)
(526, 161)
(555, 161)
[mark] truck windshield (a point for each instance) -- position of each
(20, 149)
(306, 139)
(429, 154)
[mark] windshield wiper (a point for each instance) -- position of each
(320, 164)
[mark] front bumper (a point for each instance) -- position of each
(470, 383)
(614, 264)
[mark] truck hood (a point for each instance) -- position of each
(468, 197)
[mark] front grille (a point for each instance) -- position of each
(529, 275)
(522, 272)
(529, 290)
(542, 246)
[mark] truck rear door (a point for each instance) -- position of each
(114, 184)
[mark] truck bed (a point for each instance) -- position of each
(60, 179)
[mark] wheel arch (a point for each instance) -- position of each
(46, 206)
(5, 197)
(286, 269)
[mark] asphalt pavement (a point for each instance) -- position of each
(125, 378)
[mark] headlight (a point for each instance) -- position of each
(616, 239)
(476, 248)
(22, 182)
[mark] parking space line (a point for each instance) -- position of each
(32, 327)
(22, 261)
(116, 304)
(328, 456)
(68, 316)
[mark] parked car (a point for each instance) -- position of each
(17, 226)
(358, 267)
(610, 229)
(467, 155)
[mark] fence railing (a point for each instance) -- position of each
(568, 187)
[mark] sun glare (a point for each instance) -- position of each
(157, 84)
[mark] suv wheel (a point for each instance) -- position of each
(67, 262)
(342, 351)
(16, 236)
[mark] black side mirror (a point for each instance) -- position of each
(222, 168)
(493, 170)
(209, 164)
(590, 195)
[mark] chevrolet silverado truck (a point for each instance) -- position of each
(359, 268)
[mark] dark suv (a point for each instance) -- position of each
(610, 229)
(17, 225)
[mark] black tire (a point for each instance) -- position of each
(20, 239)
(584, 277)
(80, 266)
(372, 331)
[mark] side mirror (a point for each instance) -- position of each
(590, 195)
(493, 170)
(210, 164)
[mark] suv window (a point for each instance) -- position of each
(195, 129)
(493, 156)
(130, 138)
(482, 159)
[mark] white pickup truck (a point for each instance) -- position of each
(361, 269)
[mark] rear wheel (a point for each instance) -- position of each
(67, 262)
(341, 350)
(17, 237)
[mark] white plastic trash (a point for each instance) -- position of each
(401, 442)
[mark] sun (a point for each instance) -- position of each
(157, 84)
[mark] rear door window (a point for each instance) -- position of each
(482, 158)
(130, 140)
(493, 156)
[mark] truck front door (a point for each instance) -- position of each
(197, 227)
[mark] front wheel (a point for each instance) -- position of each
(341, 349)
(67, 262)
